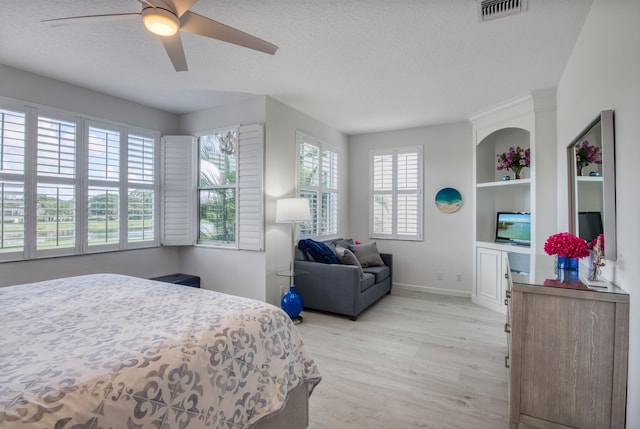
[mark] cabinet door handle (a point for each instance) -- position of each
(506, 361)
(507, 328)
(507, 293)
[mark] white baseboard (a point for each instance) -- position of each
(490, 305)
(429, 289)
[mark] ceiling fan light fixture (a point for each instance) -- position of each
(160, 21)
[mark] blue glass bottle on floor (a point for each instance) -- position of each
(291, 303)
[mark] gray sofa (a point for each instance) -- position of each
(339, 288)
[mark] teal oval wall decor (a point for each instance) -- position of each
(448, 200)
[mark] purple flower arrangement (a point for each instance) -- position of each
(514, 160)
(587, 154)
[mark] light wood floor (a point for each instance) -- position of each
(413, 360)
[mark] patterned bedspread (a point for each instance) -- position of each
(111, 351)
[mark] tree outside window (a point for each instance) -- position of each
(217, 186)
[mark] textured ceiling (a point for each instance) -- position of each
(356, 65)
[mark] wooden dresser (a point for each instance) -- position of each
(568, 352)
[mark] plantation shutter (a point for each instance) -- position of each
(409, 194)
(56, 188)
(250, 187)
(396, 194)
(12, 183)
(382, 195)
(178, 191)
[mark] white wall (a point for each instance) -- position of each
(147, 263)
(236, 272)
(447, 237)
(604, 73)
(24, 86)
(280, 166)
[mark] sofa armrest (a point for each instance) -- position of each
(387, 258)
(329, 287)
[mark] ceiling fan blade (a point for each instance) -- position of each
(198, 24)
(147, 2)
(173, 46)
(57, 22)
(181, 6)
(157, 3)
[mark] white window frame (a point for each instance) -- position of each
(395, 192)
(249, 221)
(80, 182)
(218, 243)
(319, 189)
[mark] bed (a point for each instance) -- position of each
(112, 351)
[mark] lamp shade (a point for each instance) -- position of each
(292, 210)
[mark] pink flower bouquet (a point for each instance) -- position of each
(567, 245)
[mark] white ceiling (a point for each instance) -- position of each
(356, 65)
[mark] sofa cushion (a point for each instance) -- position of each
(366, 281)
(300, 255)
(317, 251)
(367, 254)
(380, 273)
(343, 242)
(346, 257)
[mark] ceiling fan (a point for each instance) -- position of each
(166, 18)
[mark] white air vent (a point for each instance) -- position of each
(494, 9)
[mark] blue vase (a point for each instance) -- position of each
(291, 303)
(567, 263)
(568, 276)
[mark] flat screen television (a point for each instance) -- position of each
(514, 228)
(589, 225)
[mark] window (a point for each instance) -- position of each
(217, 186)
(12, 161)
(396, 194)
(55, 190)
(104, 186)
(64, 187)
(141, 189)
(318, 182)
(222, 204)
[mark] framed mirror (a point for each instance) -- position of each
(592, 187)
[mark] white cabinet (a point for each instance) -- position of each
(491, 276)
(529, 122)
(493, 273)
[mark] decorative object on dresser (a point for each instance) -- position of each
(596, 261)
(568, 248)
(292, 211)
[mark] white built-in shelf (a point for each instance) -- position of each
(505, 247)
(589, 178)
(518, 182)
